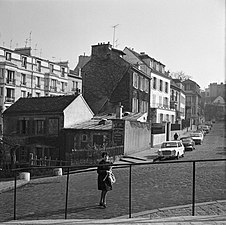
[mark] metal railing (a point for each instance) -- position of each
(88, 168)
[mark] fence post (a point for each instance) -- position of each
(193, 190)
(130, 190)
(67, 193)
(14, 217)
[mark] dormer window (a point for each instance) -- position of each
(8, 56)
(62, 71)
(38, 65)
(51, 68)
(24, 61)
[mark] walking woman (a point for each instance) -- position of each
(104, 182)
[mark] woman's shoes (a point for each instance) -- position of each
(103, 204)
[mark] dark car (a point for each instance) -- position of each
(188, 143)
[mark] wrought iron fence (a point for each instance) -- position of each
(69, 170)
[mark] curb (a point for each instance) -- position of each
(148, 212)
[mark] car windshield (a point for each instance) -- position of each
(196, 135)
(169, 145)
(186, 139)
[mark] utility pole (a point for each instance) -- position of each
(114, 27)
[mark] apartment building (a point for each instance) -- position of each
(177, 99)
(193, 111)
(108, 80)
(159, 87)
(25, 75)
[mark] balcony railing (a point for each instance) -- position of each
(10, 99)
(53, 88)
(157, 105)
(10, 81)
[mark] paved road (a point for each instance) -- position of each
(153, 186)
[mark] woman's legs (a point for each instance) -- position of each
(103, 197)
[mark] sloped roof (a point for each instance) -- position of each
(41, 104)
(94, 123)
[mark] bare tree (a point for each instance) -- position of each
(180, 75)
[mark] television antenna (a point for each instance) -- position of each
(30, 38)
(114, 27)
(35, 49)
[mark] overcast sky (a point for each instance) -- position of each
(185, 35)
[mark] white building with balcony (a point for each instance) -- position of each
(160, 85)
(25, 75)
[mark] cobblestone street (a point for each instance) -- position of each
(154, 186)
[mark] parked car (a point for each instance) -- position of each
(205, 128)
(171, 149)
(188, 143)
(209, 123)
(197, 137)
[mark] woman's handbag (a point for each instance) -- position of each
(111, 177)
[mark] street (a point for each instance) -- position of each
(153, 186)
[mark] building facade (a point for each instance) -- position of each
(109, 80)
(25, 75)
(160, 109)
(177, 99)
(193, 112)
(35, 124)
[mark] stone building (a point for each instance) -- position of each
(108, 80)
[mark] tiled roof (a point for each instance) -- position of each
(41, 104)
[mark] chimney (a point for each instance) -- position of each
(119, 111)
(101, 50)
(24, 51)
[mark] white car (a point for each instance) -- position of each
(197, 137)
(171, 149)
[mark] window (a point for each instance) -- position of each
(38, 62)
(84, 138)
(141, 86)
(62, 71)
(23, 79)
(10, 77)
(38, 85)
(160, 85)
(51, 68)
(23, 126)
(161, 118)
(135, 80)
(166, 87)
(75, 85)
(39, 126)
(160, 101)
(154, 82)
(166, 102)
(8, 56)
(23, 94)
(135, 105)
(53, 126)
(62, 86)
(53, 86)
(24, 61)
(10, 95)
(146, 85)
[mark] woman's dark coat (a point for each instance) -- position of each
(104, 185)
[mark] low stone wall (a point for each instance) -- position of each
(157, 139)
